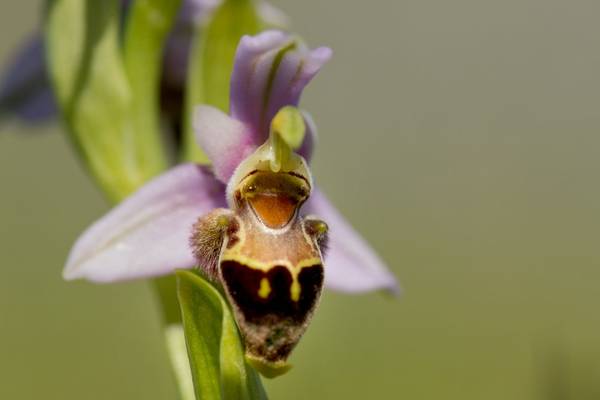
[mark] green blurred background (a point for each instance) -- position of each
(461, 137)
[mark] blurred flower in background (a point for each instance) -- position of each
(24, 88)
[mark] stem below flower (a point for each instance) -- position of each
(166, 292)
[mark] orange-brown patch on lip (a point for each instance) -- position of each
(274, 210)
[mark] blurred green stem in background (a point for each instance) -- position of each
(211, 63)
(109, 101)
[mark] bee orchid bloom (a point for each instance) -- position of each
(149, 233)
(254, 223)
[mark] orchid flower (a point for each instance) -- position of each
(148, 234)
(254, 222)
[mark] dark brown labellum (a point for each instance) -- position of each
(270, 318)
(269, 263)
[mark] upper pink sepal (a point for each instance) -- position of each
(225, 140)
(270, 71)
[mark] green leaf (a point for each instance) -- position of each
(211, 63)
(101, 107)
(215, 350)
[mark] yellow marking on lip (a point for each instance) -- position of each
(308, 262)
(255, 264)
(265, 288)
(295, 289)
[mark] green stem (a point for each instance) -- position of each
(176, 347)
(165, 289)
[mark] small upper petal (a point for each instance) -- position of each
(147, 234)
(270, 71)
(224, 140)
(351, 265)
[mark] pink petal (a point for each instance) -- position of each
(270, 71)
(147, 235)
(224, 140)
(254, 58)
(351, 265)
